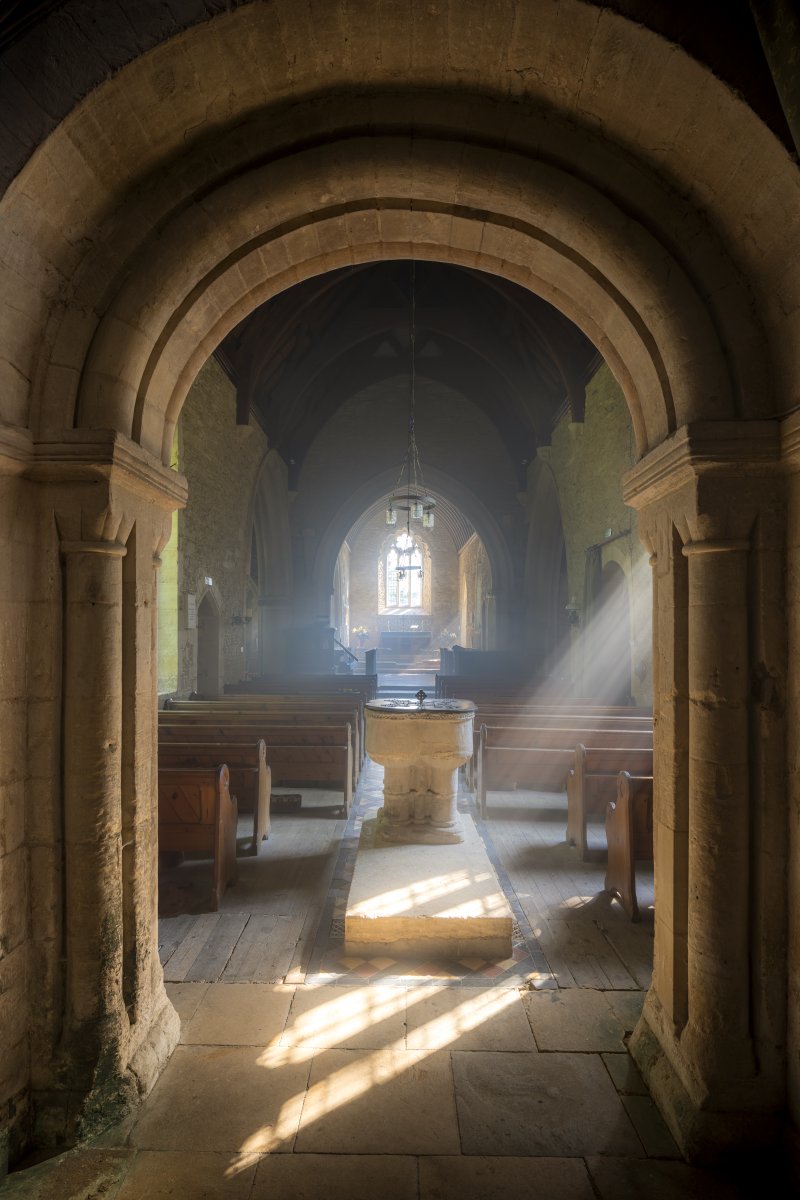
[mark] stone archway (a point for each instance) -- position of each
(209, 661)
(130, 283)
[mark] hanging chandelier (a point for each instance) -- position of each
(409, 495)
(407, 552)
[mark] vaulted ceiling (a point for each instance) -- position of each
(299, 357)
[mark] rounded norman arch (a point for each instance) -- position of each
(144, 265)
(142, 231)
(526, 220)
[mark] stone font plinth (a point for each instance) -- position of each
(423, 883)
(421, 744)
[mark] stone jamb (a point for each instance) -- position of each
(704, 490)
(101, 490)
(790, 445)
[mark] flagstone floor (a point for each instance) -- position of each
(304, 1073)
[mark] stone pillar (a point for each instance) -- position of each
(110, 504)
(710, 1041)
(793, 1032)
(671, 771)
(718, 1030)
(92, 700)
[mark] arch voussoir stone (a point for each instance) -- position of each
(201, 275)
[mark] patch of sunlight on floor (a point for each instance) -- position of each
(352, 1013)
(338, 1020)
(577, 901)
(416, 895)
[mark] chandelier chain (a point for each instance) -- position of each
(417, 503)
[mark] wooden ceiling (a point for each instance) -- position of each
(299, 357)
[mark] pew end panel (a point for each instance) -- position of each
(249, 773)
(198, 814)
(629, 833)
(592, 786)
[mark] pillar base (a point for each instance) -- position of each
(72, 1113)
(432, 901)
(707, 1133)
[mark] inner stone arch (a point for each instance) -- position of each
(592, 262)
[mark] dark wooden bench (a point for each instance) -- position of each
(197, 814)
(540, 757)
(510, 716)
(629, 836)
(259, 718)
(360, 688)
(362, 685)
(285, 710)
(592, 785)
(249, 774)
(297, 754)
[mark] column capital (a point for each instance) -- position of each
(99, 484)
(725, 450)
(16, 450)
(89, 456)
(716, 546)
(790, 440)
(712, 481)
(111, 548)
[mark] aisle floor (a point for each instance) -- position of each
(303, 1072)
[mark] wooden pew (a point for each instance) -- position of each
(592, 785)
(304, 711)
(629, 835)
(510, 716)
(297, 754)
(197, 814)
(540, 758)
(365, 686)
(457, 687)
(249, 775)
(288, 709)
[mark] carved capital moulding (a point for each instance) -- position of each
(16, 450)
(99, 482)
(711, 479)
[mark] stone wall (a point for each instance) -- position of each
(588, 460)
(221, 461)
(17, 932)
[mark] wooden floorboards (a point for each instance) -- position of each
(267, 924)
